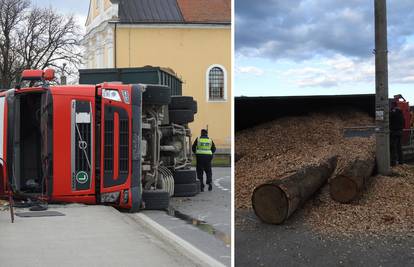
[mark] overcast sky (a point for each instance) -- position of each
(79, 8)
(305, 47)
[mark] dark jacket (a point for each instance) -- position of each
(396, 120)
(213, 146)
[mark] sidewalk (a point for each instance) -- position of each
(85, 236)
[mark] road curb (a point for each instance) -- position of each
(178, 242)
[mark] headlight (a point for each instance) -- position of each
(125, 94)
(126, 196)
(111, 94)
(112, 197)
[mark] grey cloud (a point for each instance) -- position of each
(303, 29)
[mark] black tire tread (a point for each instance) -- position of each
(181, 102)
(198, 183)
(185, 190)
(186, 176)
(195, 107)
(157, 95)
(156, 199)
(181, 116)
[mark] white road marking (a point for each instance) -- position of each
(218, 185)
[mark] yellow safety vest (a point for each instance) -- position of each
(204, 146)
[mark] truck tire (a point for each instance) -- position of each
(185, 190)
(181, 116)
(156, 199)
(185, 176)
(198, 183)
(157, 95)
(181, 102)
(195, 107)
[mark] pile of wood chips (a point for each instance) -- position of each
(274, 149)
(277, 148)
(385, 208)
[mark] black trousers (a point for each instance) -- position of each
(395, 148)
(204, 166)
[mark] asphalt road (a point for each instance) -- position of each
(292, 244)
(213, 207)
(203, 220)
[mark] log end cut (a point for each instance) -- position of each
(270, 204)
(343, 189)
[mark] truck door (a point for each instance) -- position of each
(115, 166)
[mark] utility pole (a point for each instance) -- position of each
(381, 89)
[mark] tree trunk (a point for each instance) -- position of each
(350, 180)
(275, 201)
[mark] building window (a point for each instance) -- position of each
(216, 83)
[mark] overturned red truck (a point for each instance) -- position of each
(110, 143)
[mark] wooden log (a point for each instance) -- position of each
(276, 201)
(349, 182)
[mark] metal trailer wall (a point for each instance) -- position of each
(145, 75)
(250, 111)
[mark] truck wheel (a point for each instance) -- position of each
(181, 102)
(185, 176)
(156, 199)
(195, 107)
(157, 95)
(181, 116)
(185, 190)
(198, 183)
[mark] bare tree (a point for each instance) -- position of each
(35, 38)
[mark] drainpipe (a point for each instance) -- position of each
(115, 50)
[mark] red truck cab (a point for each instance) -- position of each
(72, 143)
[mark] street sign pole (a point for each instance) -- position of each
(381, 89)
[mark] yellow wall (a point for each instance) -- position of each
(189, 52)
(94, 11)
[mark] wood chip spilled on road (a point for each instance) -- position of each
(280, 147)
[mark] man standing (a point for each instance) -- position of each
(204, 149)
(396, 130)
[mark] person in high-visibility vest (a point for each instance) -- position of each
(204, 149)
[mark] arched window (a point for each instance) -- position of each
(216, 83)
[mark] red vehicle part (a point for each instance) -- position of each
(88, 134)
(33, 75)
(66, 146)
(400, 102)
